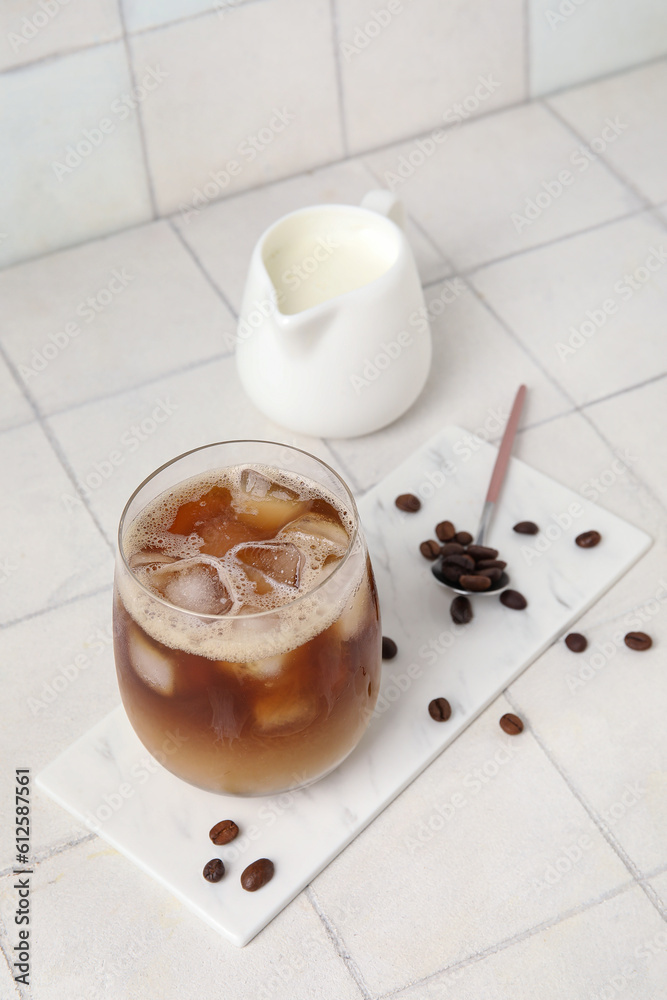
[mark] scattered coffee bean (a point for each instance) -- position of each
(439, 709)
(213, 870)
(430, 549)
(491, 564)
(463, 537)
(257, 874)
(513, 599)
(638, 640)
(224, 832)
(451, 549)
(482, 552)
(445, 531)
(461, 610)
(474, 583)
(408, 502)
(526, 528)
(588, 539)
(389, 648)
(576, 642)
(463, 561)
(511, 724)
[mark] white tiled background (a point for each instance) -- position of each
(350, 76)
(488, 907)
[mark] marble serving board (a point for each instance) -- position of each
(109, 781)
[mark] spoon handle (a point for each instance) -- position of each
(500, 468)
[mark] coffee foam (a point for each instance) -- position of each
(295, 615)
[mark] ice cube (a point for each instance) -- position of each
(270, 666)
(281, 714)
(149, 557)
(267, 505)
(355, 613)
(254, 483)
(317, 535)
(198, 585)
(276, 562)
(153, 666)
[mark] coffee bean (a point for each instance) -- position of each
(481, 552)
(465, 562)
(576, 642)
(213, 870)
(447, 573)
(430, 549)
(408, 502)
(224, 832)
(638, 640)
(494, 574)
(588, 539)
(474, 583)
(445, 531)
(511, 724)
(513, 599)
(257, 874)
(463, 537)
(526, 528)
(452, 549)
(491, 564)
(461, 610)
(389, 648)
(439, 709)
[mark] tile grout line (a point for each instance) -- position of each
(338, 943)
(4, 944)
(614, 844)
(654, 60)
(53, 852)
(342, 107)
(507, 943)
(53, 442)
(609, 166)
(556, 384)
(195, 257)
(349, 476)
(140, 116)
(56, 607)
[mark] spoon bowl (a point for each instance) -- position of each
(495, 588)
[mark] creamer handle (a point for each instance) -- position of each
(385, 203)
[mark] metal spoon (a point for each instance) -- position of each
(497, 477)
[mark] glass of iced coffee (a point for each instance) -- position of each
(246, 620)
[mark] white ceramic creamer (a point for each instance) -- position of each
(333, 338)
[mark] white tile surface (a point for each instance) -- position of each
(223, 235)
(143, 14)
(30, 31)
(589, 304)
(659, 884)
(466, 201)
(7, 984)
(14, 407)
(196, 121)
(593, 710)
(616, 948)
(48, 553)
(160, 314)
(637, 100)
(48, 107)
(469, 345)
(155, 423)
(136, 936)
(515, 821)
(572, 43)
(65, 658)
(403, 71)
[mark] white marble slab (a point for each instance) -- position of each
(111, 783)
